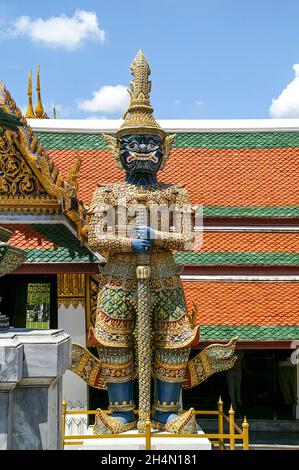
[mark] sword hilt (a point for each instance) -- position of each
(143, 259)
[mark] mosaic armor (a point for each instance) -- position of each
(117, 299)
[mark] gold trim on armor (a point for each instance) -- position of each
(124, 406)
(173, 334)
(183, 424)
(105, 424)
(164, 407)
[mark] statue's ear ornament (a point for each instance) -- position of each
(169, 140)
(113, 147)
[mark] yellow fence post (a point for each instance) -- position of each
(64, 403)
(220, 422)
(231, 428)
(245, 427)
(148, 430)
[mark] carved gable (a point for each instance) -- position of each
(29, 180)
(17, 179)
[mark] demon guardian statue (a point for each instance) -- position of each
(142, 325)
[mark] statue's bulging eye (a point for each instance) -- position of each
(132, 146)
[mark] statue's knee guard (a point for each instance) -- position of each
(170, 364)
(117, 364)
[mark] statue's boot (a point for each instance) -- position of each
(121, 405)
(166, 406)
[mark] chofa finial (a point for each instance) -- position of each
(30, 111)
(39, 109)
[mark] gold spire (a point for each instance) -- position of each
(30, 112)
(138, 117)
(39, 109)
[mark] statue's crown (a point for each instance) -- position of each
(139, 119)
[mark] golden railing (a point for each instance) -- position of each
(222, 440)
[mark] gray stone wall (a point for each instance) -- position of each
(32, 363)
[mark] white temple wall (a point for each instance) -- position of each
(72, 320)
(74, 389)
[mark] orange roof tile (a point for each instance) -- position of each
(214, 177)
(244, 303)
(268, 242)
(25, 237)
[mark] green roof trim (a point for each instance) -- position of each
(220, 332)
(69, 141)
(238, 140)
(251, 211)
(234, 258)
(217, 140)
(67, 247)
(61, 255)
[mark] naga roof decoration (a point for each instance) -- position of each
(30, 182)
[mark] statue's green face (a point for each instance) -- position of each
(141, 153)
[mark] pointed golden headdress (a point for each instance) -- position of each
(139, 117)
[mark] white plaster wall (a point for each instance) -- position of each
(72, 320)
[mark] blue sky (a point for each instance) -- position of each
(209, 59)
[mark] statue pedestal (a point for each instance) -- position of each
(32, 363)
(136, 443)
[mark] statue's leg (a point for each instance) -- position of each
(114, 333)
(173, 339)
(118, 370)
(166, 404)
(121, 401)
(169, 369)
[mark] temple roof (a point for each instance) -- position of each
(48, 243)
(233, 173)
(237, 170)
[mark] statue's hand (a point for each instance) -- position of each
(145, 232)
(140, 245)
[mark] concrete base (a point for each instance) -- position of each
(32, 363)
(138, 443)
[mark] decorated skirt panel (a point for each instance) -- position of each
(117, 364)
(117, 312)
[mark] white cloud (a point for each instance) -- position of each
(199, 102)
(68, 32)
(108, 99)
(287, 103)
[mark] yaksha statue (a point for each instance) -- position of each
(142, 326)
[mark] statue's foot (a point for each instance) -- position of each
(105, 424)
(184, 423)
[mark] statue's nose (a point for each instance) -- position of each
(143, 147)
